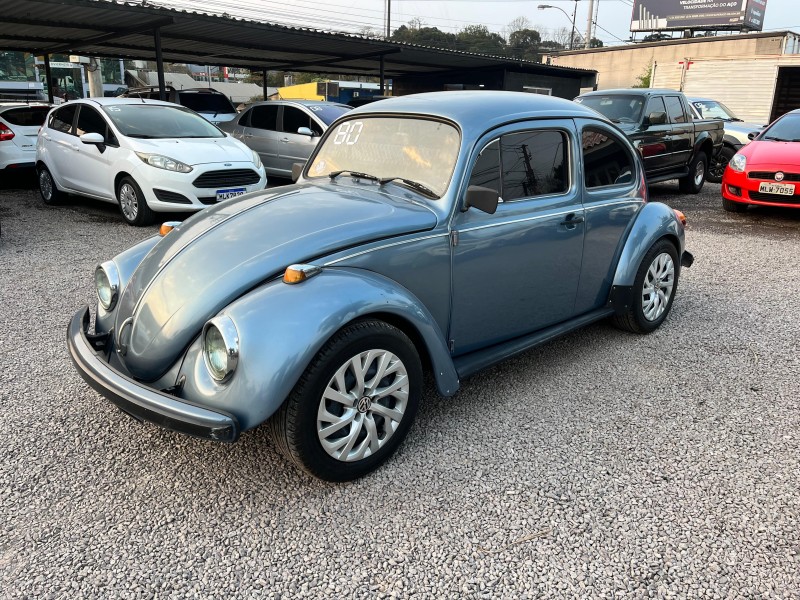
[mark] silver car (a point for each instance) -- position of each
(284, 132)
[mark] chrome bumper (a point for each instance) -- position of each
(140, 401)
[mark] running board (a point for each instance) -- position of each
(667, 176)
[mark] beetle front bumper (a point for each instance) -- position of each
(140, 401)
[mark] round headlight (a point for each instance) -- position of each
(220, 347)
(106, 280)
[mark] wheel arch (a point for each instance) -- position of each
(118, 178)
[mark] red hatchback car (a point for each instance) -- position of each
(767, 170)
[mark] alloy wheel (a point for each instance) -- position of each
(128, 201)
(657, 288)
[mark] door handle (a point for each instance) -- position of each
(572, 220)
(285, 139)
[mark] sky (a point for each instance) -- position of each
(613, 16)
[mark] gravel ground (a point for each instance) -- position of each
(601, 465)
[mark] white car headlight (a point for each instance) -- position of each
(106, 281)
(256, 159)
(221, 347)
(164, 162)
(738, 163)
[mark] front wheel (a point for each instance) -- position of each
(353, 405)
(697, 175)
(132, 203)
(717, 167)
(653, 290)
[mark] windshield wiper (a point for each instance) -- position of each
(141, 136)
(412, 184)
(774, 139)
(335, 174)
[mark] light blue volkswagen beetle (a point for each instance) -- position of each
(441, 232)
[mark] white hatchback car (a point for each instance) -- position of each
(19, 126)
(148, 156)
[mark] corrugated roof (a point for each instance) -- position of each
(118, 29)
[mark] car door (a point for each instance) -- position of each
(655, 141)
(296, 147)
(682, 131)
(92, 161)
(611, 200)
(59, 139)
(517, 270)
(262, 135)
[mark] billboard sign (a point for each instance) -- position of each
(657, 15)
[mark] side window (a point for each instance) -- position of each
(675, 110)
(606, 161)
(244, 120)
(655, 104)
(534, 163)
(62, 118)
(294, 119)
(90, 121)
(265, 117)
(486, 172)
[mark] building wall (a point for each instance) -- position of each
(622, 67)
(745, 85)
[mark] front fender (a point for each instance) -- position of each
(282, 327)
(654, 221)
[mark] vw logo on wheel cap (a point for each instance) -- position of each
(364, 404)
(779, 176)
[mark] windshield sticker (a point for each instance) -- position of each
(114, 109)
(320, 168)
(315, 108)
(348, 133)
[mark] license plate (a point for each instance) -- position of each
(783, 189)
(231, 193)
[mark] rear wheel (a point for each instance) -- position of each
(653, 290)
(697, 175)
(132, 203)
(718, 164)
(47, 186)
(353, 405)
(731, 206)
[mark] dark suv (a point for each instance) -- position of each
(209, 103)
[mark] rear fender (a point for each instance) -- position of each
(282, 327)
(653, 222)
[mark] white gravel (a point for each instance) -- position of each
(601, 465)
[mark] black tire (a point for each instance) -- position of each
(634, 318)
(734, 207)
(295, 427)
(717, 167)
(693, 183)
(47, 186)
(132, 203)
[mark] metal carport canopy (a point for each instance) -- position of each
(115, 29)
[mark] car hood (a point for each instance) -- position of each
(772, 155)
(221, 253)
(196, 151)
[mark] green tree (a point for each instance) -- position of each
(643, 81)
(525, 44)
(479, 40)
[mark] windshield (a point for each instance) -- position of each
(422, 151)
(328, 113)
(618, 108)
(150, 121)
(709, 109)
(785, 129)
(206, 102)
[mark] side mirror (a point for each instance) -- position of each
(297, 170)
(657, 118)
(92, 138)
(753, 135)
(484, 199)
(305, 131)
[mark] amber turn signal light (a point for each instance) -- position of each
(680, 215)
(299, 273)
(167, 227)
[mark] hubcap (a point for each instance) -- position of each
(128, 201)
(45, 184)
(699, 173)
(362, 405)
(658, 284)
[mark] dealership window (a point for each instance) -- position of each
(606, 161)
(537, 90)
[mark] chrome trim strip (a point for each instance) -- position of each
(393, 244)
(603, 205)
(536, 218)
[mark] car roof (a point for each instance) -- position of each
(634, 91)
(481, 109)
(117, 101)
(7, 105)
(301, 102)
